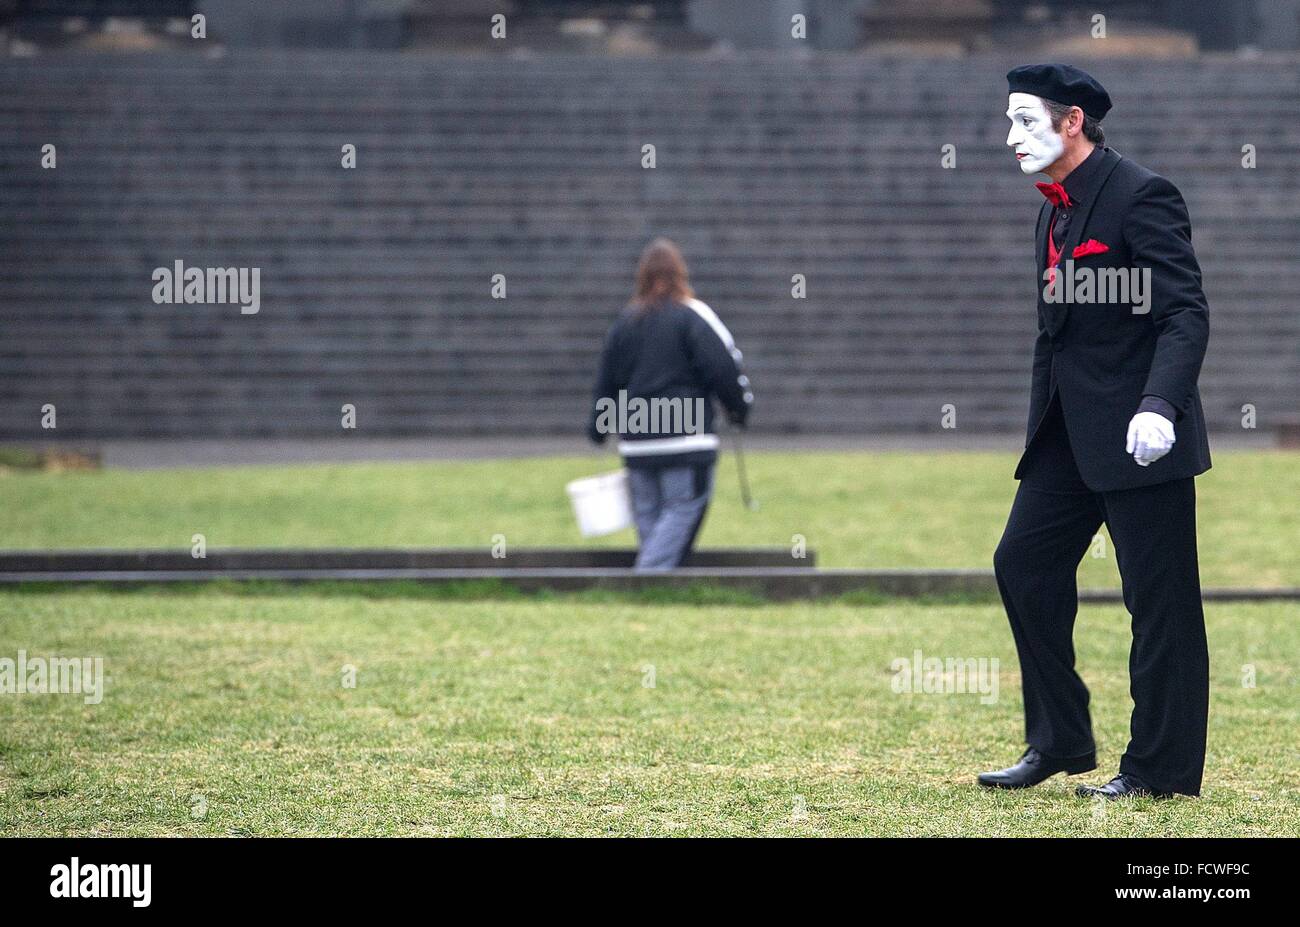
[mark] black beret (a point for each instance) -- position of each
(1061, 83)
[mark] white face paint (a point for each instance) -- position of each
(1036, 143)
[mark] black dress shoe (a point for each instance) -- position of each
(1033, 768)
(1125, 785)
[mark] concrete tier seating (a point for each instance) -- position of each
(376, 282)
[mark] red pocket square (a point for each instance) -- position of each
(1091, 246)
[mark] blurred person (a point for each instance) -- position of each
(1116, 436)
(666, 358)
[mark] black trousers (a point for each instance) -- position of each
(1053, 521)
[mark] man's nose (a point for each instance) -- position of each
(1013, 137)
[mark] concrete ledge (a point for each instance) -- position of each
(770, 573)
(774, 583)
(360, 558)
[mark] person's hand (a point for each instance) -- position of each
(1150, 437)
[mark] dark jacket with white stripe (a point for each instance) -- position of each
(660, 371)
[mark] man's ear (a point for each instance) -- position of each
(1074, 122)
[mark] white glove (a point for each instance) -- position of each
(1150, 437)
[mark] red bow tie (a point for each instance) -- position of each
(1055, 194)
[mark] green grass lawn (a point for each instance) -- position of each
(855, 509)
(227, 714)
(226, 710)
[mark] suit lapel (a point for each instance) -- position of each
(1056, 312)
(1040, 236)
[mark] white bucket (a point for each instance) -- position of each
(601, 503)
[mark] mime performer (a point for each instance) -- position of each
(1116, 435)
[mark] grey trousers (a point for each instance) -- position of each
(668, 504)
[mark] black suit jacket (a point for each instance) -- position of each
(1101, 358)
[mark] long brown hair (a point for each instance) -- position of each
(661, 275)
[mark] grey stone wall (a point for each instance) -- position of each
(376, 283)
